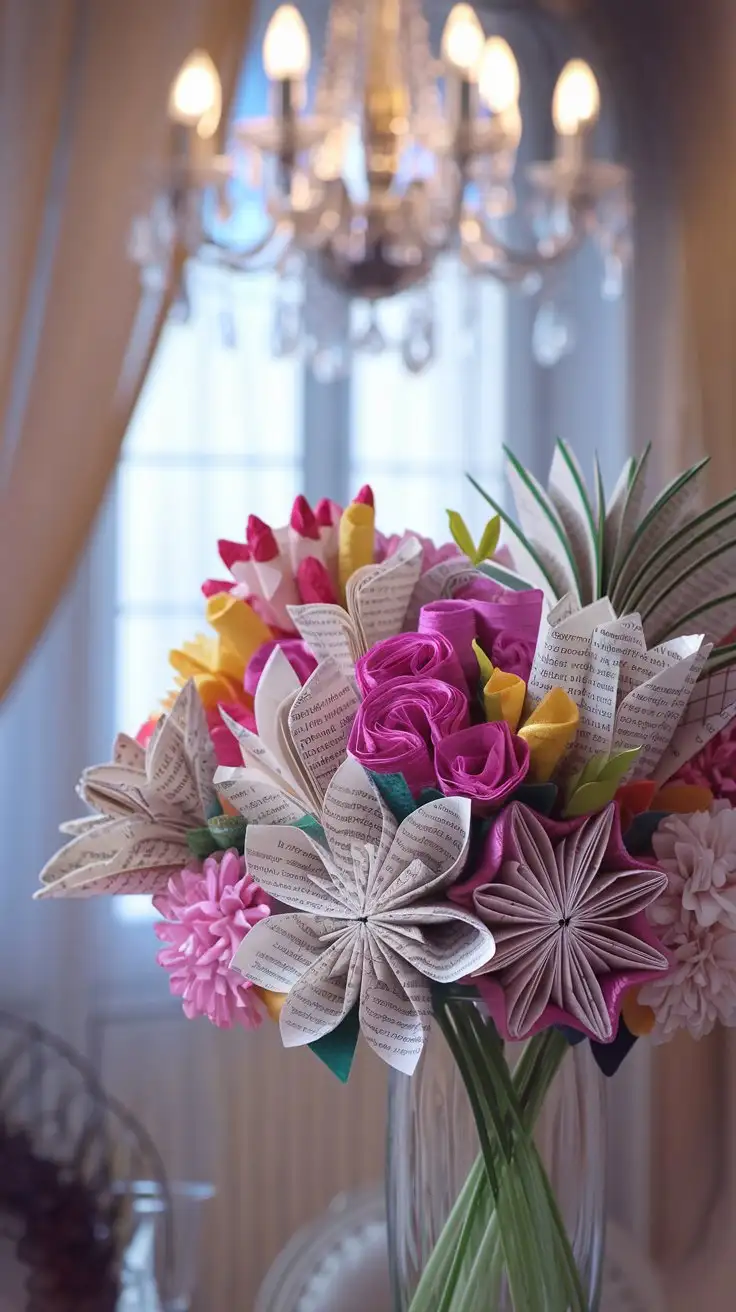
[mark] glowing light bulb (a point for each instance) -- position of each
(577, 100)
(286, 52)
(195, 98)
(462, 40)
(498, 80)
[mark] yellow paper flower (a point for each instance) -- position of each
(549, 729)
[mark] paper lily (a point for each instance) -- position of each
(368, 929)
(565, 903)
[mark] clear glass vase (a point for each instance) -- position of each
(446, 1246)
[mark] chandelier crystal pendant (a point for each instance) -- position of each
(400, 159)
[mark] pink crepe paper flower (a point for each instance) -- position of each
(506, 627)
(701, 987)
(431, 554)
(565, 903)
(484, 762)
(296, 652)
(698, 852)
(399, 724)
(207, 913)
(714, 767)
(410, 656)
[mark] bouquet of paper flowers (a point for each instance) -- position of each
(400, 776)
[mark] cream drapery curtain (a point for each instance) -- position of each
(83, 95)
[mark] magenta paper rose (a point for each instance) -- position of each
(296, 652)
(506, 628)
(565, 903)
(410, 656)
(399, 725)
(485, 762)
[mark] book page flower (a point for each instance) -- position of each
(698, 851)
(399, 724)
(370, 926)
(485, 762)
(701, 986)
(564, 901)
(207, 914)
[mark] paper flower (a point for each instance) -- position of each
(145, 803)
(223, 739)
(698, 852)
(207, 914)
(410, 656)
(368, 930)
(484, 762)
(701, 986)
(715, 766)
(431, 555)
(564, 901)
(399, 724)
(505, 628)
(296, 652)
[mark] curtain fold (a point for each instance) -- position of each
(83, 98)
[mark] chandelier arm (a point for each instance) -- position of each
(490, 255)
(238, 259)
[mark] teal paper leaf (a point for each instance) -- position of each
(311, 827)
(337, 1049)
(638, 836)
(228, 831)
(538, 797)
(396, 793)
(429, 795)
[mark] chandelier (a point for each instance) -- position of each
(399, 159)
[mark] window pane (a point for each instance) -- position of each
(143, 643)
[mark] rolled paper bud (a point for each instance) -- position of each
(356, 540)
(238, 625)
(515, 655)
(410, 656)
(296, 652)
(398, 726)
(303, 519)
(303, 535)
(314, 583)
(549, 731)
(327, 513)
(276, 584)
(484, 762)
(501, 610)
(211, 587)
(639, 1020)
(503, 698)
(365, 496)
(456, 621)
(261, 540)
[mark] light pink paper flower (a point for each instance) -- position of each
(698, 851)
(701, 987)
(715, 766)
(207, 914)
(431, 555)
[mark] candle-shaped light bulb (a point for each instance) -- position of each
(286, 52)
(462, 41)
(577, 100)
(195, 99)
(498, 80)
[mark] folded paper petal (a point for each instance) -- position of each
(397, 726)
(503, 698)
(485, 762)
(548, 733)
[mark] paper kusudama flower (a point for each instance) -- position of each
(207, 914)
(485, 762)
(368, 930)
(146, 802)
(698, 851)
(410, 656)
(564, 901)
(399, 724)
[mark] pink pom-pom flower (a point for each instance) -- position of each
(208, 910)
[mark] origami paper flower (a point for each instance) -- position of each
(698, 851)
(506, 628)
(207, 914)
(367, 930)
(485, 762)
(410, 656)
(146, 802)
(564, 901)
(714, 767)
(399, 724)
(701, 986)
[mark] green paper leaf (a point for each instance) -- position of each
(396, 793)
(461, 533)
(616, 767)
(311, 827)
(201, 843)
(429, 795)
(228, 831)
(589, 799)
(488, 540)
(337, 1049)
(638, 836)
(592, 768)
(485, 664)
(538, 797)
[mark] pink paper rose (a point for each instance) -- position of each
(399, 725)
(485, 762)
(410, 656)
(506, 628)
